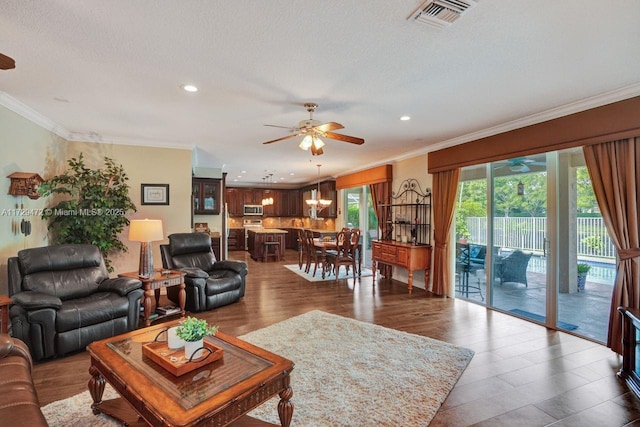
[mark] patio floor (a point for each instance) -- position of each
(588, 310)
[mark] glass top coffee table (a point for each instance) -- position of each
(217, 393)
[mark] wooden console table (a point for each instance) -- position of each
(152, 286)
(405, 255)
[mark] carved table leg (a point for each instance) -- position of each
(285, 406)
(182, 298)
(96, 388)
(146, 303)
(410, 281)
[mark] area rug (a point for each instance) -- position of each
(351, 373)
(562, 325)
(347, 373)
(318, 276)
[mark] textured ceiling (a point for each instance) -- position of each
(111, 71)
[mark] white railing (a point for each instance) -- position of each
(529, 234)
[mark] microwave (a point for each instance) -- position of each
(253, 210)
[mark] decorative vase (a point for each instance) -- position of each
(193, 348)
(582, 280)
(174, 342)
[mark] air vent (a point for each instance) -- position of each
(440, 13)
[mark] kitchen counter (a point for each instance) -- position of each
(258, 236)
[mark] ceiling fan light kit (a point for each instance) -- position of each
(313, 130)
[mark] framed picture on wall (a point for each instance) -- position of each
(154, 194)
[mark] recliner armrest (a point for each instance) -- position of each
(36, 300)
(237, 266)
(195, 272)
(120, 285)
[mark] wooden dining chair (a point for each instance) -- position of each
(344, 253)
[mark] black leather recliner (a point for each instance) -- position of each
(209, 283)
(63, 299)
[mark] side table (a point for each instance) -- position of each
(4, 308)
(152, 286)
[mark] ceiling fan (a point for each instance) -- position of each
(313, 130)
(519, 164)
(6, 63)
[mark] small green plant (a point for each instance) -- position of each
(194, 329)
(583, 268)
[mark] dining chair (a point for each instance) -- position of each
(344, 253)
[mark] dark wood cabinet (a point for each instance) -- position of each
(253, 196)
(235, 239)
(215, 245)
(235, 201)
(206, 196)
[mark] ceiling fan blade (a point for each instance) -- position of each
(345, 138)
(329, 126)
(284, 137)
(6, 63)
(283, 127)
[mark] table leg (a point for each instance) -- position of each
(426, 279)
(373, 267)
(147, 305)
(323, 257)
(182, 298)
(285, 407)
(96, 388)
(410, 281)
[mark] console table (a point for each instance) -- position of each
(405, 255)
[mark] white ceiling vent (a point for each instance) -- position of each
(440, 13)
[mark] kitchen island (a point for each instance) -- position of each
(257, 237)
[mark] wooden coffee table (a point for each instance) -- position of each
(215, 394)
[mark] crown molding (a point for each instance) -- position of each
(553, 113)
(29, 113)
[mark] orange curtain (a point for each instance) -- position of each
(445, 186)
(614, 168)
(381, 194)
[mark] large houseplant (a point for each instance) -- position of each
(91, 207)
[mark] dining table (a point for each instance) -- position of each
(327, 244)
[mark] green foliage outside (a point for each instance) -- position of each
(93, 208)
(472, 199)
(594, 243)
(194, 329)
(583, 268)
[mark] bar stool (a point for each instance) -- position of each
(271, 249)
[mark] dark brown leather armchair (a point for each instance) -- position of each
(63, 299)
(209, 283)
(18, 400)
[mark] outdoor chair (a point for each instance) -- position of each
(513, 268)
(464, 268)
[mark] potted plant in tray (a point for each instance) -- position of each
(583, 270)
(193, 331)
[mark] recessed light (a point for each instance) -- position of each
(239, 176)
(244, 172)
(189, 88)
(405, 118)
(292, 173)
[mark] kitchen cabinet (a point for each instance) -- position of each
(235, 239)
(253, 196)
(206, 196)
(292, 203)
(235, 201)
(256, 239)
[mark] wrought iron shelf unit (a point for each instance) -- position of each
(407, 218)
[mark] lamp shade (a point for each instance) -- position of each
(145, 230)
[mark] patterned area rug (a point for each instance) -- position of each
(347, 373)
(318, 276)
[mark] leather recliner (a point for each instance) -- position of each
(208, 283)
(63, 299)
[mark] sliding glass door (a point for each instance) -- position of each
(359, 213)
(518, 236)
(539, 216)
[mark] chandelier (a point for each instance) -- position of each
(267, 201)
(316, 202)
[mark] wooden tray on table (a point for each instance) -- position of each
(175, 361)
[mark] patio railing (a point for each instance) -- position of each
(529, 233)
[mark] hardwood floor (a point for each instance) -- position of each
(522, 374)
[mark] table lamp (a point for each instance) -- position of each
(145, 231)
